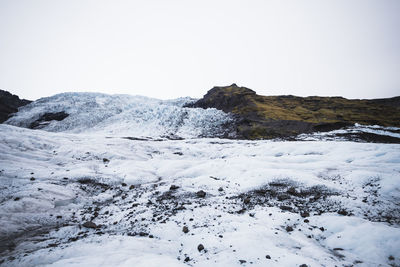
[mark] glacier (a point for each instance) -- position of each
(125, 115)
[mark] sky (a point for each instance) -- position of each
(169, 49)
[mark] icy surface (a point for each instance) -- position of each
(124, 115)
(342, 134)
(265, 204)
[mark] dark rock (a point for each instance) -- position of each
(327, 127)
(305, 214)
(105, 160)
(391, 258)
(303, 265)
(283, 207)
(123, 184)
(200, 247)
(201, 194)
(91, 225)
(291, 191)
(220, 189)
(289, 228)
(173, 187)
(9, 104)
(17, 198)
(306, 221)
(32, 179)
(242, 261)
(268, 257)
(343, 212)
(187, 259)
(131, 187)
(46, 118)
(185, 229)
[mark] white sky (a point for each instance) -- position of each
(167, 49)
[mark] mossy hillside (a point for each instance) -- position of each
(275, 116)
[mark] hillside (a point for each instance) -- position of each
(262, 117)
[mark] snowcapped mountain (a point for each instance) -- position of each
(90, 179)
(123, 115)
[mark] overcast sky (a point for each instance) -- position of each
(167, 49)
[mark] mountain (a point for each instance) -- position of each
(264, 117)
(9, 104)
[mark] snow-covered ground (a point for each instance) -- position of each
(107, 186)
(266, 203)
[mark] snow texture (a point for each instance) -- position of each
(253, 213)
(124, 115)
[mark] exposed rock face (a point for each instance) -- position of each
(260, 117)
(47, 118)
(9, 104)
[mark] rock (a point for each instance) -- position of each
(123, 184)
(306, 221)
(200, 247)
(185, 229)
(289, 228)
(343, 212)
(268, 257)
(105, 160)
(16, 199)
(220, 189)
(187, 259)
(131, 187)
(9, 104)
(32, 179)
(391, 258)
(305, 214)
(303, 265)
(46, 118)
(291, 191)
(246, 200)
(201, 194)
(283, 207)
(91, 225)
(242, 261)
(173, 187)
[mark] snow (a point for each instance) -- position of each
(72, 177)
(124, 115)
(114, 159)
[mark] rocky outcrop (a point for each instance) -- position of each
(46, 118)
(264, 117)
(9, 104)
